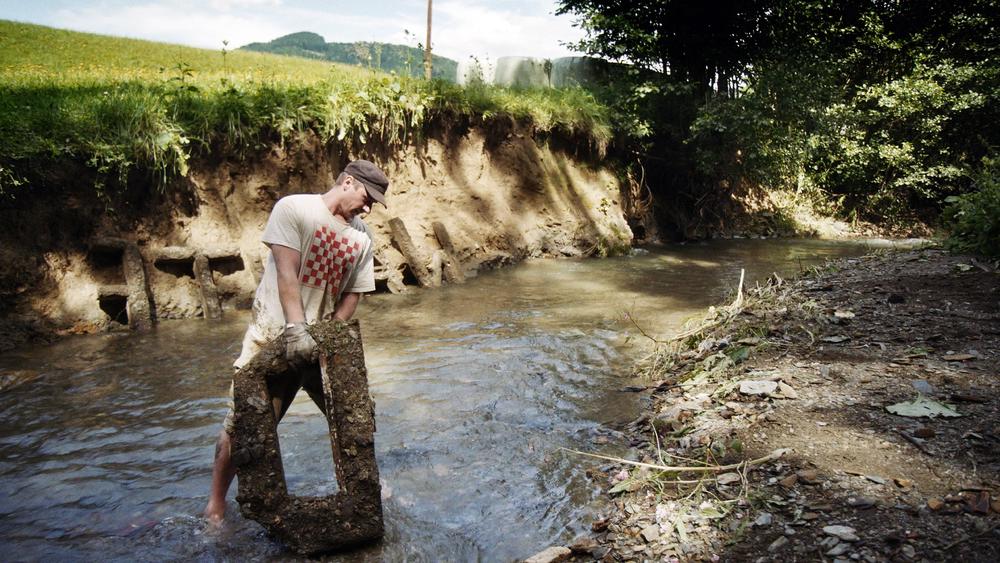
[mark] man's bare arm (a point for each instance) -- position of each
(287, 261)
(346, 306)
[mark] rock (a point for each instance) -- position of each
(935, 504)
(995, 506)
(839, 549)
(751, 387)
(763, 519)
(875, 479)
(829, 542)
(977, 502)
(789, 482)
(904, 484)
(777, 544)
(860, 502)
(672, 417)
(550, 555)
(787, 391)
(651, 533)
(808, 476)
(909, 552)
(844, 533)
(958, 357)
(598, 526)
(583, 546)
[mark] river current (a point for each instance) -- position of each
(106, 454)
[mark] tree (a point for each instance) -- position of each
(709, 43)
(880, 105)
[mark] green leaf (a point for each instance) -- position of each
(626, 486)
(923, 407)
(739, 354)
(711, 512)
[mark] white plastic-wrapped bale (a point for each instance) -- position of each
(473, 71)
(522, 72)
(579, 71)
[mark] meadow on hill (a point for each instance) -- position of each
(127, 106)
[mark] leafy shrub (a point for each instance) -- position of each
(974, 218)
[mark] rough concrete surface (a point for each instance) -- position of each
(311, 525)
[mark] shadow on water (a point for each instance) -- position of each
(107, 453)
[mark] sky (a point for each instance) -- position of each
(486, 29)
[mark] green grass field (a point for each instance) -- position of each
(31, 54)
(125, 105)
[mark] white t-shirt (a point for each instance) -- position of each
(336, 258)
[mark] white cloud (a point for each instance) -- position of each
(242, 4)
(480, 29)
(473, 27)
(173, 22)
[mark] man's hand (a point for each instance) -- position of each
(300, 347)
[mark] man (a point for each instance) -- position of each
(320, 263)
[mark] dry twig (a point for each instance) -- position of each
(706, 468)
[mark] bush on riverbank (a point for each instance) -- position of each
(974, 218)
(124, 106)
(874, 111)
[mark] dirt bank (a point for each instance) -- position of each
(74, 262)
(811, 371)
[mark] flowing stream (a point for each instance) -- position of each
(106, 454)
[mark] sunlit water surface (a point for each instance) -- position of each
(107, 454)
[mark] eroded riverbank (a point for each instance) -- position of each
(812, 365)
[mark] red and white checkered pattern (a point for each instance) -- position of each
(330, 256)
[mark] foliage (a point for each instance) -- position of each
(875, 110)
(126, 107)
(906, 143)
(706, 43)
(974, 218)
(399, 59)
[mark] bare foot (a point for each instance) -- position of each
(215, 512)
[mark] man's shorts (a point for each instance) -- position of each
(283, 388)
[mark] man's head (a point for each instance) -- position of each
(369, 176)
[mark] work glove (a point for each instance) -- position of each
(300, 348)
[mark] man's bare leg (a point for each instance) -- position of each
(223, 473)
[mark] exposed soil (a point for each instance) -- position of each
(499, 197)
(831, 351)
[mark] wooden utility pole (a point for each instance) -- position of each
(428, 64)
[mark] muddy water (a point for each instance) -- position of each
(106, 454)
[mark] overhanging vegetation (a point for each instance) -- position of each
(125, 106)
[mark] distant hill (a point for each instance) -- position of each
(400, 59)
